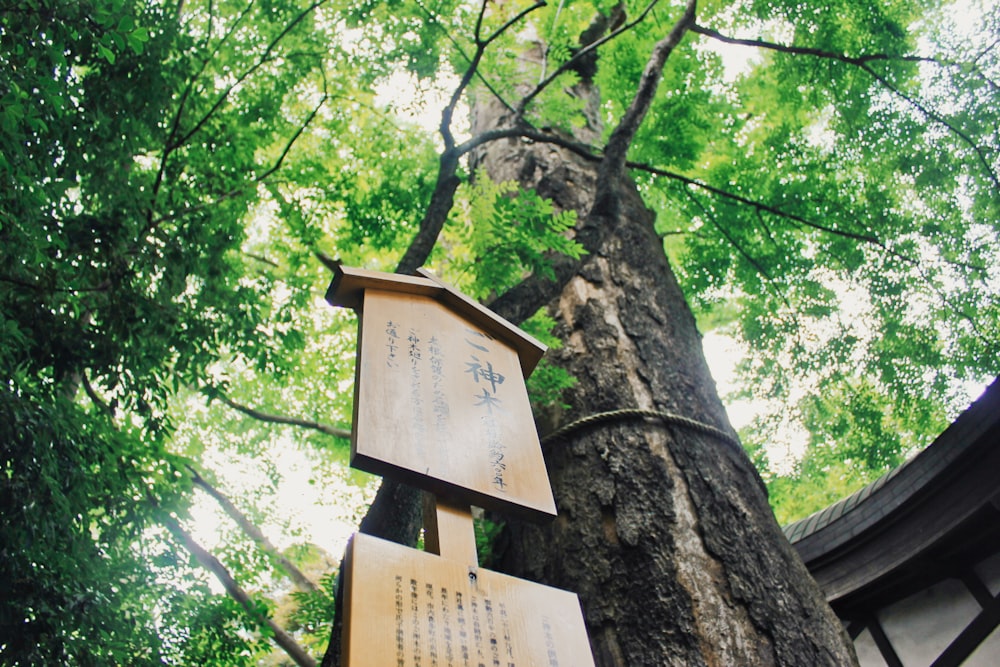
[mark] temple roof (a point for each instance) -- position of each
(941, 505)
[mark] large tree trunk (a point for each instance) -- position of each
(663, 531)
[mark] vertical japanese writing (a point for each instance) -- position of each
(550, 643)
(477, 631)
(432, 650)
(491, 630)
(391, 344)
(400, 632)
(449, 651)
(415, 621)
(505, 628)
(488, 382)
(463, 633)
(438, 401)
(415, 355)
(495, 450)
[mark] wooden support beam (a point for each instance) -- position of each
(449, 531)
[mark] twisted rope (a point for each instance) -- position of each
(667, 418)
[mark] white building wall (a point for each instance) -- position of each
(988, 653)
(868, 653)
(922, 626)
(989, 572)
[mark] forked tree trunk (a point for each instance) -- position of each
(663, 531)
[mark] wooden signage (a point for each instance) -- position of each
(408, 608)
(440, 403)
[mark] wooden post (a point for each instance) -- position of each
(449, 531)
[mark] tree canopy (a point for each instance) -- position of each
(177, 178)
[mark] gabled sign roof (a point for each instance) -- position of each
(349, 284)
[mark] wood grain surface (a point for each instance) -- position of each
(409, 608)
(441, 404)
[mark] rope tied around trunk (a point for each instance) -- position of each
(668, 418)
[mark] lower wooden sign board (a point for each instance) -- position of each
(409, 608)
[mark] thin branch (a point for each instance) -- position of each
(481, 46)
(432, 17)
(256, 180)
(92, 395)
(921, 270)
(621, 137)
(173, 142)
(862, 63)
(301, 581)
(768, 279)
(213, 565)
(864, 238)
(262, 259)
(851, 60)
(527, 132)
(552, 26)
(767, 229)
(933, 115)
(264, 59)
(102, 287)
(580, 55)
(282, 419)
(806, 50)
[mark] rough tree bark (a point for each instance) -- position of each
(665, 533)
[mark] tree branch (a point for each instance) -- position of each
(442, 200)
(933, 115)
(760, 206)
(213, 565)
(481, 46)
(264, 58)
(301, 581)
(431, 16)
(805, 50)
(862, 63)
(92, 395)
(102, 287)
(256, 180)
(768, 279)
(174, 142)
(171, 143)
(281, 419)
(621, 137)
(577, 57)
(262, 259)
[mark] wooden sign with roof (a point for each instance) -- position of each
(440, 400)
